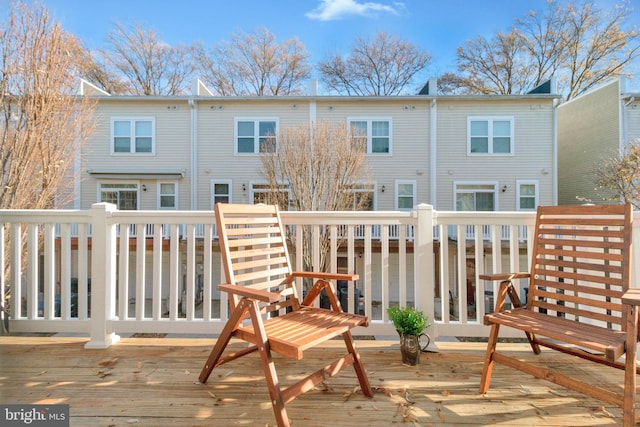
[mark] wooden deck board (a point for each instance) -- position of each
(153, 382)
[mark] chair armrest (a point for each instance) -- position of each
(325, 276)
(631, 297)
(264, 296)
(504, 276)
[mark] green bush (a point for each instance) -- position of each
(407, 321)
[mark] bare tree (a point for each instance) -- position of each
(495, 66)
(43, 123)
(619, 178)
(577, 43)
(95, 70)
(255, 64)
(148, 65)
(383, 66)
(452, 84)
(598, 46)
(317, 169)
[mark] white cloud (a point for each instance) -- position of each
(329, 10)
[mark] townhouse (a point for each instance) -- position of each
(453, 152)
(457, 153)
(593, 128)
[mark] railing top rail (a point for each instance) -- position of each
(349, 217)
(45, 216)
(485, 218)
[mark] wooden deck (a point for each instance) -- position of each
(153, 382)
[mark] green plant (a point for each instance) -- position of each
(407, 321)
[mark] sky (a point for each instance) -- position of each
(325, 27)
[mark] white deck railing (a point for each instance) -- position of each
(89, 272)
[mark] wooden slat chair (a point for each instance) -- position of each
(260, 283)
(579, 300)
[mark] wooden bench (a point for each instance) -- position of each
(579, 301)
(262, 291)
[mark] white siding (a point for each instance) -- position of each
(531, 160)
(172, 148)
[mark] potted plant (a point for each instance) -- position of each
(409, 324)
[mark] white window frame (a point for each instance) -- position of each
(519, 184)
(132, 143)
(399, 182)
(256, 136)
(457, 190)
(369, 135)
(365, 187)
(255, 188)
(175, 195)
(122, 183)
(227, 182)
(490, 120)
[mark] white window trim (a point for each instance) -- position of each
(256, 147)
(133, 119)
(490, 120)
(123, 182)
(496, 193)
(369, 120)
(372, 188)
(414, 183)
(533, 182)
(252, 191)
(229, 182)
(175, 194)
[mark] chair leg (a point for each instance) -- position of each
(270, 374)
(357, 365)
(222, 341)
(629, 402)
(488, 359)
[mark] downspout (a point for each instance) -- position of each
(433, 146)
(554, 154)
(194, 152)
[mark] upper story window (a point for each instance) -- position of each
(254, 136)
(490, 135)
(374, 134)
(133, 135)
(167, 195)
(527, 195)
(405, 195)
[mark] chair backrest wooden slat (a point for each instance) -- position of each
(255, 249)
(581, 264)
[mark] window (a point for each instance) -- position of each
(527, 195)
(362, 197)
(475, 196)
(167, 195)
(490, 135)
(405, 195)
(133, 135)
(263, 193)
(374, 134)
(123, 195)
(255, 136)
(221, 191)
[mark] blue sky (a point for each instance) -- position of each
(323, 26)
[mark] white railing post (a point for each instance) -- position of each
(103, 276)
(424, 264)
